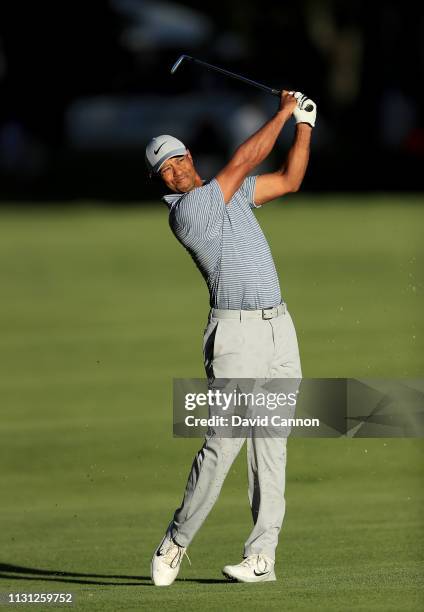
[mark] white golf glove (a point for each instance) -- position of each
(300, 114)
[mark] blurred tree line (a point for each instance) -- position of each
(362, 62)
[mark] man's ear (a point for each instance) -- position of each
(154, 177)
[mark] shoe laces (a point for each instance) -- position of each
(173, 554)
(260, 562)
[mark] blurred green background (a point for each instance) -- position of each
(101, 308)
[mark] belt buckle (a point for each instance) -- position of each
(267, 313)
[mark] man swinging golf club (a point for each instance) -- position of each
(249, 334)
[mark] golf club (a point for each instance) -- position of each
(274, 92)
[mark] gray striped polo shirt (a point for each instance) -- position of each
(227, 245)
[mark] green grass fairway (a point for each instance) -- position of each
(100, 308)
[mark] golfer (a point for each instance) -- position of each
(249, 334)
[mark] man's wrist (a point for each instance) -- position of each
(284, 114)
(303, 127)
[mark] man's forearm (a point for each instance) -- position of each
(257, 148)
(296, 163)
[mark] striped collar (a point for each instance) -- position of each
(171, 199)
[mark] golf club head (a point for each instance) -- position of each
(178, 62)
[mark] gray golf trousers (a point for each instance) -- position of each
(242, 344)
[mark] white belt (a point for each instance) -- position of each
(264, 313)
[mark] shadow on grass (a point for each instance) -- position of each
(17, 572)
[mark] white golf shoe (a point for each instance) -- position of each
(166, 562)
(254, 568)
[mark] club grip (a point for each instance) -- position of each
(277, 92)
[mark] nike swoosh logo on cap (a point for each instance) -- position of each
(159, 148)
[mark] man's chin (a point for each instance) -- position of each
(183, 187)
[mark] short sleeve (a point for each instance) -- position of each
(201, 211)
(248, 190)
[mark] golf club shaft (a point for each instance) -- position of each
(274, 92)
(233, 75)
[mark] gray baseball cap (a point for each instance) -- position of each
(161, 148)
